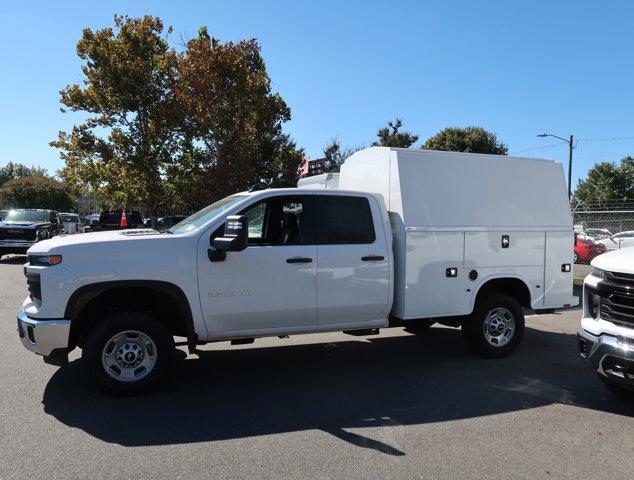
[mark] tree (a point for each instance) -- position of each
(35, 191)
(335, 155)
(131, 135)
(469, 139)
(17, 170)
(391, 136)
(233, 119)
(606, 182)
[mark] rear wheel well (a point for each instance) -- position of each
(94, 304)
(513, 287)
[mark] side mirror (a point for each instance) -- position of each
(236, 236)
(576, 240)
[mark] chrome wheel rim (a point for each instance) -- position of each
(499, 327)
(129, 356)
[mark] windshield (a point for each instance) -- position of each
(201, 217)
(69, 218)
(27, 216)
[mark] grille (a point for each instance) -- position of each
(11, 233)
(617, 298)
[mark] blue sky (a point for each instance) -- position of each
(346, 68)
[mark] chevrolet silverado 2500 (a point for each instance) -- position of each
(606, 337)
(401, 238)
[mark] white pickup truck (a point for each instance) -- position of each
(402, 238)
(606, 337)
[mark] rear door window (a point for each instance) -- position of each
(344, 220)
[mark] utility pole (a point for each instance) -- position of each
(571, 146)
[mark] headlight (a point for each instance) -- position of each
(594, 305)
(45, 260)
(597, 272)
(41, 233)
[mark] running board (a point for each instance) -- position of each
(242, 341)
(362, 333)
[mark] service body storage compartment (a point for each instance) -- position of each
(460, 220)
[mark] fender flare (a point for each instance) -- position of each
(84, 294)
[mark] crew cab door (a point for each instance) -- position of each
(354, 278)
(269, 285)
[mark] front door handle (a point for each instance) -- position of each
(372, 258)
(299, 260)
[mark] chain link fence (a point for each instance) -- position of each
(601, 228)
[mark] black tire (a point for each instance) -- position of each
(418, 327)
(118, 323)
(473, 327)
(619, 390)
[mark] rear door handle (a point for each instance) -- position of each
(372, 258)
(299, 260)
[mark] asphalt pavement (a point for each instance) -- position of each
(318, 407)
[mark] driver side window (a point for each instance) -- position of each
(277, 221)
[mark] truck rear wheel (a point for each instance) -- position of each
(495, 327)
(128, 353)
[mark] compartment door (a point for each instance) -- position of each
(558, 284)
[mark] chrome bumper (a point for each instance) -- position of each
(611, 357)
(43, 336)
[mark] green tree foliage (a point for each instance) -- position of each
(17, 170)
(35, 191)
(131, 134)
(335, 154)
(169, 130)
(607, 182)
(469, 139)
(392, 136)
(234, 120)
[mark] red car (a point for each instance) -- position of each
(586, 250)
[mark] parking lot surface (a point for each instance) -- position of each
(320, 406)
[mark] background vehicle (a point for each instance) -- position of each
(619, 240)
(586, 249)
(401, 244)
(597, 233)
(3, 214)
(607, 328)
(22, 228)
(111, 219)
(72, 223)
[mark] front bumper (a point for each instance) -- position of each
(44, 337)
(17, 245)
(611, 357)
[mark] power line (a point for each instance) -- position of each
(604, 139)
(544, 147)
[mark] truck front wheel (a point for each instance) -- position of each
(495, 327)
(128, 352)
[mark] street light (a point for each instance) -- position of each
(570, 147)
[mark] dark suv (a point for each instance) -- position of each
(111, 219)
(25, 226)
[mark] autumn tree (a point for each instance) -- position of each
(392, 136)
(606, 182)
(131, 134)
(469, 140)
(233, 119)
(12, 171)
(35, 191)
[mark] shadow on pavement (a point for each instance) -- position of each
(333, 387)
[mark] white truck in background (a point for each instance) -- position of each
(406, 238)
(606, 337)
